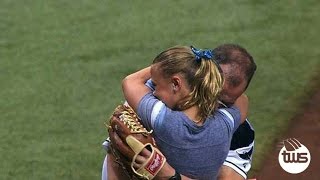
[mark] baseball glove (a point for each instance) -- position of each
(127, 139)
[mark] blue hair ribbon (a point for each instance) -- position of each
(206, 54)
(199, 53)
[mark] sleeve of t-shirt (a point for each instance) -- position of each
(150, 85)
(233, 116)
(151, 111)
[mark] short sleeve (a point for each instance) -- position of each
(150, 109)
(150, 85)
(233, 116)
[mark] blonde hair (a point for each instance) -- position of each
(203, 78)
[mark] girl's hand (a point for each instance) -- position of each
(142, 158)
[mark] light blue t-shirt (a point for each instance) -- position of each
(194, 151)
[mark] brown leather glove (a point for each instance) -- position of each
(127, 139)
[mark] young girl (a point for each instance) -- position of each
(182, 110)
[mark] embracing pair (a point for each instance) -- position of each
(193, 101)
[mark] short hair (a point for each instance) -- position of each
(241, 63)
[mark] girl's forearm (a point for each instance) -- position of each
(134, 88)
(140, 76)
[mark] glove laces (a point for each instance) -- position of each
(131, 120)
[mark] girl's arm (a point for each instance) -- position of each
(134, 88)
(166, 171)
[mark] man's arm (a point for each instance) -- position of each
(242, 103)
(227, 173)
(239, 159)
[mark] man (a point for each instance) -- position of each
(238, 68)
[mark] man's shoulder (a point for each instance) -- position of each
(243, 136)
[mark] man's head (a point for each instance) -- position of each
(238, 69)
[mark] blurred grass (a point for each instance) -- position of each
(61, 63)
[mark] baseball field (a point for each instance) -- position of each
(61, 64)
